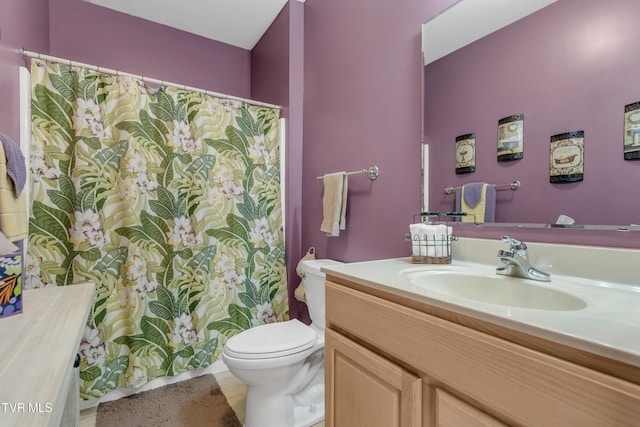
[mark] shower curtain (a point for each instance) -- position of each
(169, 200)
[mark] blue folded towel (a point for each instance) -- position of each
(15, 163)
(473, 193)
(490, 205)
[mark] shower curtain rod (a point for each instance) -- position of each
(29, 54)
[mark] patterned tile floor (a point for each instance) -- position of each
(234, 390)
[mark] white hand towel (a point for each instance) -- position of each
(343, 208)
(6, 246)
(430, 239)
(442, 233)
(418, 245)
(334, 201)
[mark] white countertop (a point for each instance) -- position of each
(38, 349)
(609, 325)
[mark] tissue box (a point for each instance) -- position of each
(10, 281)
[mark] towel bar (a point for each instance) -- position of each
(514, 185)
(372, 171)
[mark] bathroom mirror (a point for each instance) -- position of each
(569, 66)
(463, 15)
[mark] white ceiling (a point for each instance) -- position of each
(239, 23)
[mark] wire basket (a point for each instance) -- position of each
(433, 250)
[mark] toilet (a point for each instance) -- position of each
(283, 363)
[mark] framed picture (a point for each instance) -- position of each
(466, 153)
(632, 131)
(566, 157)
(510, 138)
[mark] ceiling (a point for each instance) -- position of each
(240, 23)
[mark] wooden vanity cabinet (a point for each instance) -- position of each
(391, 365)
(368, 389)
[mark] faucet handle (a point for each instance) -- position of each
(516, 245)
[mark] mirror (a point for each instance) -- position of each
(463, 15)
(570, 66)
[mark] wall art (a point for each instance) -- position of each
(510, 138)
(466, 153)
(566, 159)
(632, 131)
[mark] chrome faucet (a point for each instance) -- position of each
(516, 262)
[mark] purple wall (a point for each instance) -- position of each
(277, 77)
(362, 106)
(23, 23)
(567, 67)
(96, 35)
(295, 154)
(270, 63)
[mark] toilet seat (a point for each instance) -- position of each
(271, 340)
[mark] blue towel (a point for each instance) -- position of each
(15, 163)
(473, 193)
(490, 207)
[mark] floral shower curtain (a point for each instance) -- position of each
(169, 201)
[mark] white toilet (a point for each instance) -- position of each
(283, 363)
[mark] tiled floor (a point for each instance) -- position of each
(234, 390)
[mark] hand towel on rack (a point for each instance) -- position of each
(343, 206)
(13, 210)
(16, 168)
(478, 200)
(490, 205)
(334, 203)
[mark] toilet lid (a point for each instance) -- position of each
(271, 340)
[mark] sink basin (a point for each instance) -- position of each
(495, 289)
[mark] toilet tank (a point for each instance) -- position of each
(313, 280)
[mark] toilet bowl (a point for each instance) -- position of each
(283, 363)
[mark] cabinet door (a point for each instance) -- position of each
(453, 412)
(366, 390)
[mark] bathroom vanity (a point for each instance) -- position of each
(38, 383)
(399, 353)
